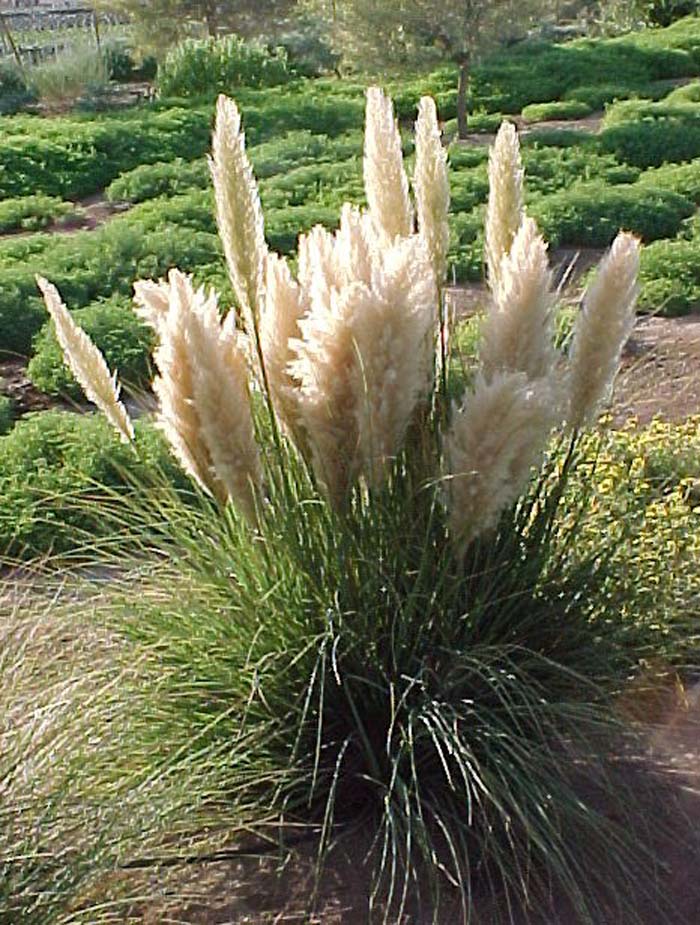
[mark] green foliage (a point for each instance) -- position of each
(591, 214)
(207, 67)
(7, 415)
(687, 93)
(550, 169)
(14, 92)
(31, 213)
(54, 469)
(683, 179)
(597, 96)
(73, 157)
(125, 342)
(144, 243)
(560, 109)
(670, 277)
(148, 181)
(80, 70)
(650, 134)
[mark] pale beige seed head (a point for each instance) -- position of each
(87, 363)
(431, 185)
(202, 387)
(386, 183)
(239, 213)
(504, 213)
(394, 336)
(285, 305)
(178, 417)
(327, 399)
(365, 356)
(491, 447)
(518, 333)
(151, 301)
(222, 401)
(601, 329)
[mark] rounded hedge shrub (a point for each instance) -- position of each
(559, 109)
(125, 342)
(670, 277)
(591, 214)
(148, 181)
(56, 466)
(207, 67)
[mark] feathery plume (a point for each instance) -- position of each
(222, 400)
(203, 392)
(173, 386)
(327, 399)
(364, 358)
(492, 444)
(87, 363)
(151, 301)
(239, 213)
(504, 213)
(394, 340)
(432, 187)
(285, 304)
(386, 184)
(601, 329)
(517, 335)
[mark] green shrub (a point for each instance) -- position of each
(112, 325)
(560, 109)
(670, 277)
(86, 266)
(468, 188)
(550, 169)
(32, 213)
(688, 93)
(7, 415)
(596, 96)
(559, 138)
(300, 148)
(54, 469)
(326, 184)
(650, 134)
(118, 59)
(148, 181)
(591, 214)
(70, 158)
(683, 179)
(467, 155)
(466, 255)
(14, 92)
(207, 67)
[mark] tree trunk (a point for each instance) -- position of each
(462, 88)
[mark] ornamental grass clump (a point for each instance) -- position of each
(376, 612)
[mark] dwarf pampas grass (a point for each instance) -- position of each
(601, 330)
(505, 206)
(386, 184)
(432, 187)
(517, 335)
(87, 363)
(239, 213)
(491, 447)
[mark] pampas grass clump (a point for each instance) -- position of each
(377, 614)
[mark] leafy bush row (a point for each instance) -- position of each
(31, 213)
